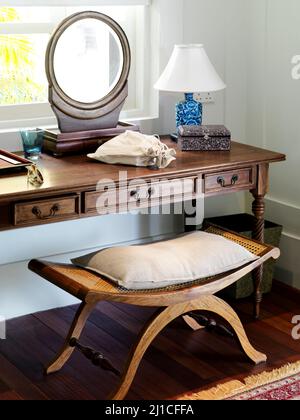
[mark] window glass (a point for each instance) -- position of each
(27, 14)
(22, 72)
(22, 57)
(24, 35)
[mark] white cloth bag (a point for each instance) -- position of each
(135, 149)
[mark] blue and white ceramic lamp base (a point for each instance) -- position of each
(189, 112)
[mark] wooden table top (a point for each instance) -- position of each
(72, 173)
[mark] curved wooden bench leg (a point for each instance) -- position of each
(221, 308)
(150, 331)
(164, 316)
(78, 324)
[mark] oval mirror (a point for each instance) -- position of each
(88, 60)
(87, 64)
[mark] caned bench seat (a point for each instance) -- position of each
(173, 301)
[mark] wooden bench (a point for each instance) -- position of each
(173, 302)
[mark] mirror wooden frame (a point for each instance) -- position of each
(73, 115)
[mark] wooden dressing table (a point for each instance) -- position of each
(69, 191)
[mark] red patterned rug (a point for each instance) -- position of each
(281, 384)
(285, 390)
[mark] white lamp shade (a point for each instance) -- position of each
(190, 70)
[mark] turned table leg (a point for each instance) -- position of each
(258, 209)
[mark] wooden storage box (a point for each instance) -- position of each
(58, 144)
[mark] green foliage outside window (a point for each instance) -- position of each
(17, 66)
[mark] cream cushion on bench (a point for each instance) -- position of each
(185, 258)
(157, 265)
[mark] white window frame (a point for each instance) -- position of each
(40, 114)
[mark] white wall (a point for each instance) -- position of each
(273, 103)
(214, 23)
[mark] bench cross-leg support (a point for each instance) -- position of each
(151, 330)
(67, 350)
(164, 316)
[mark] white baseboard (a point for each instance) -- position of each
(288, 267)
(285, 214)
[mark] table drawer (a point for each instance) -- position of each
(143, 195)
(47, 210)
(230, 181)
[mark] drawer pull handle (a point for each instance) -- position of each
(136, 195)
(150, 192)
(38, 213)
(222, 181)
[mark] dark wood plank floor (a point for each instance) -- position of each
(178, 361)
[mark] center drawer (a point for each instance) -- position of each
(139, 195)
(46, 210)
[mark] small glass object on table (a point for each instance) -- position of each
(32, 143)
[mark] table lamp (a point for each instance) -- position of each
(189, 71)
